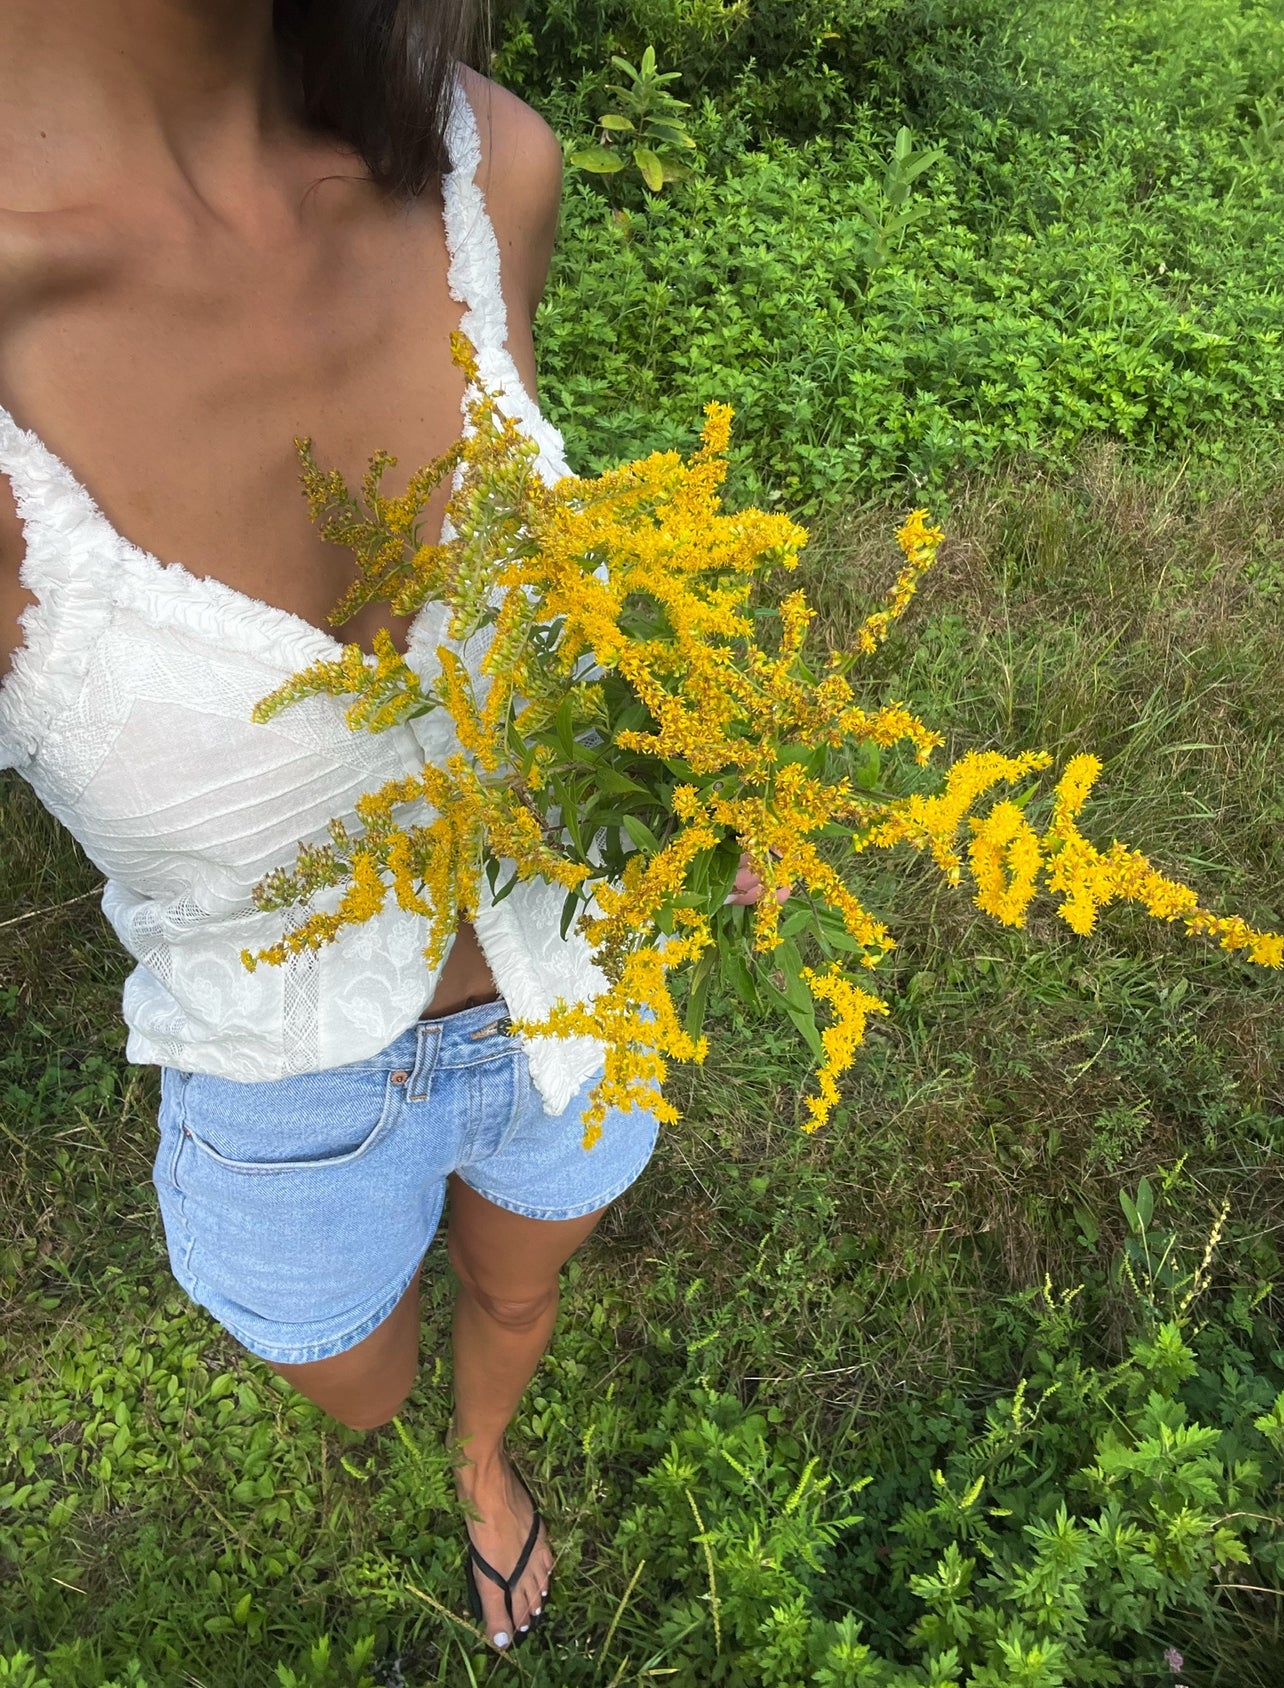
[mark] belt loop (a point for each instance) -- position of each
(425, 1060)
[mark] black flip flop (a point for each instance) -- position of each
(510, 1582)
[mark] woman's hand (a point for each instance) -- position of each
(748, 888)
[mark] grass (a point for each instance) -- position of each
(861, 1298)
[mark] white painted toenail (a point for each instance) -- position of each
(523, 1629)
(502, 1638)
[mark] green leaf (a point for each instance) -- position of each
(565, 727)
(794, 923)
(571, 820)
(641, 834)
(701, 979)
(1145, 1201)
(568, 910)
(668, 132)
(599, 160)
(733, 971)
(617, 784)
(805, 1021)
(651, 167)
(802, 1017)
(869, 765)
(633, 718)
(790, 963)
(697, 881)
(722, 875)
(566, 799)
(614, 121)
(834, 932)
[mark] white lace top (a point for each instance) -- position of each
(128, 711)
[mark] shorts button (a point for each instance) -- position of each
(400, 1077)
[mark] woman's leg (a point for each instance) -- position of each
(508, 1271)
(365, 1386)
(508, 1268)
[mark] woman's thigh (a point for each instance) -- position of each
(506, 1261)
(366, 1385)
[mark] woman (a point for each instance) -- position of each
(225, 224)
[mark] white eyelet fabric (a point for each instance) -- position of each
(127, 709)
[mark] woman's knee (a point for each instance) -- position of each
(517, 1313)
(361, 1399)
(369, 1415)
(519, 1307)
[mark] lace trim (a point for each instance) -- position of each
(169, 594)
(81, 569)
(63, 529)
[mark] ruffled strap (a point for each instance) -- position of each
(67, 568)
(474, 275)
(475, 281)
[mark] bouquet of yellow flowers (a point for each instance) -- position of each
(645, 720)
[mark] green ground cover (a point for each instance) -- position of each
(1099, 251)
(984, 1378)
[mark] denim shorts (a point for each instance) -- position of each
(298, 1210)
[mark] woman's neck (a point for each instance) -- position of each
(176, 96)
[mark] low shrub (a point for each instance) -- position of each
(805, 58)
(1095, 252)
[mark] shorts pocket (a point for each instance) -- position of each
(314, 1122)
(298, 1202)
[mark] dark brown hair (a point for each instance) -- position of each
(378, 75)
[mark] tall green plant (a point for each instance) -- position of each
(644, 125)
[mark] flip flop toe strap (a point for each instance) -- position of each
(509, 1583)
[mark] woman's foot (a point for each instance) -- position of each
(499, 1514)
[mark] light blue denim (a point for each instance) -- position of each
(297, 1211)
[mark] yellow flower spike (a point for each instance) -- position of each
(851, 1009)
(1266, 949)
(1072, 789)
(932, 823)
(919, 542)
(716, 436)
(1005, 858)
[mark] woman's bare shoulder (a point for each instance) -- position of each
(521, 176)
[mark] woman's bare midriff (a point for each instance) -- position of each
(465, 980)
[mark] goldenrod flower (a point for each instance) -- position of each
(608, 656)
